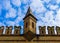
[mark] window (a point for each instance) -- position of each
(16, 32)
(26, 24)
(51, 32)
(32, 25)
(42, 32)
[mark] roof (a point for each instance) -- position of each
(29, 13)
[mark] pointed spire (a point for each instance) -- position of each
(29, 11)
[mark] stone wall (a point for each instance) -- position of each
(37, 39)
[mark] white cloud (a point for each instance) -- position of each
(11, 13)
(47, 20)
(37, 3)
(10, 23)
(6, 4)
(25, 1)
(25, 8)
(58, 14)
(57, 1)
(19, 13)
(53, 7)
(2, 24)
(16, 2)
(49, 15)
(40, 10)
(57, 19)
(40, 23)
(18, 19)
(37, 6)
(47, 1)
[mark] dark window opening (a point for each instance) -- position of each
(32, 25)
(16, 31)
(26, 25)
(42, 32)
(51, 32)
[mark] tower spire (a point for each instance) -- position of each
(29, 11)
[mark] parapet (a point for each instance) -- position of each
(1, 30)
(58, 30)
(51, 30)
(8, 30)
(17, 30)
(42, 30)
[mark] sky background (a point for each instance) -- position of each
(47, 12)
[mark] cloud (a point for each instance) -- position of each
(57, 1)
(57, 18)
(48, 19)
(53, 7)
(46, 1)
(11, 13)
(43, 14)
(2, 24)
(20, 16)
(46, 15)
(6, 5)
(37, 6)
(25, 8)
(58, 14)
(26, 1)
(19, 12)
(16, 2)
(18, 19)
(10, 23)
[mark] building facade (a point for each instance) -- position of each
(30, 35)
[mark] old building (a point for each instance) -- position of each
(30, 35)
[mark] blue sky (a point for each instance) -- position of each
(47, 12)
